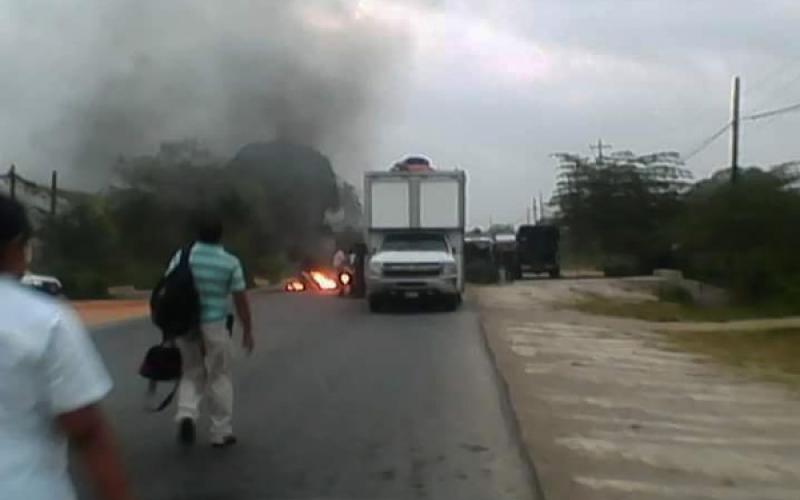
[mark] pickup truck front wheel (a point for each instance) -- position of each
(452, 302)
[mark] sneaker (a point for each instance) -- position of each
(227, 441)
(186, 432)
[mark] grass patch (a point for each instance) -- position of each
(670, 310)
(769, 354)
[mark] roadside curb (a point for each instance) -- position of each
(110, 325)
(115, 323)
(509, 410)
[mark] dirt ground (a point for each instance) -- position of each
(101, 312)
(609, 409)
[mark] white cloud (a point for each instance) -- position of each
(499, 88)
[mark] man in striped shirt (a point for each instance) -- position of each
(217, 275)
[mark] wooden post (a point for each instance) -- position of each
(541, 206)
(12, 179)
(53, 193)
(735, 98)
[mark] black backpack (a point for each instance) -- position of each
(175, 310)
(175, 303)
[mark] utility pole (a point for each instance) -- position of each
(12, 179)
(600, 147)
(541, 206)
(735, 98)
(53, 193)
(535, 211)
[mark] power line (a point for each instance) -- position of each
(706, 143)
(770, 85)
(774, 112)
(752, 117)
(780, 89)
(600, 147)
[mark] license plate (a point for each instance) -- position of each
(412, 295)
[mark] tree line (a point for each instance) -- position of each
(632, 214)
(272, 197)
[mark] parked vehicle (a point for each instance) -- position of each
(537, 250)
(480, 259)
(47, 284)
(415, 236)
(506, 254)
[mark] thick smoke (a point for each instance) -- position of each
(118, 77)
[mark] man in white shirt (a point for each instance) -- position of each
(339, 259)
(51, 379)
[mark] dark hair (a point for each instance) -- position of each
(209, 229)
(14, 223)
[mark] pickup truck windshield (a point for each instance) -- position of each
(414, 242)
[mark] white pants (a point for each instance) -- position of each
(207, 372)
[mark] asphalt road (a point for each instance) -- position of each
(335, 404)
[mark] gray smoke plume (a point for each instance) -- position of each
(118, 77)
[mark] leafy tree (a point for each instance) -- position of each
(272, 198)
(350, 206)
(299, 188)
(79, 246)
(621, 205)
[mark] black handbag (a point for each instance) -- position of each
(162, 363)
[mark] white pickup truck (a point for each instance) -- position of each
(415, 236)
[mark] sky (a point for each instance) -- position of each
(491, 87)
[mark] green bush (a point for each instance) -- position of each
(620, 266)
(676, 294)
(744, 237)
(84, 285)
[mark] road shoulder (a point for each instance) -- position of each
(608, 410)
(103, 313)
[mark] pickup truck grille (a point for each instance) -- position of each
(412, 270)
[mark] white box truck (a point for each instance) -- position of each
(415, 236)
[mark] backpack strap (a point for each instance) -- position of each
(152, 384)
(186, 253)
(151, 389)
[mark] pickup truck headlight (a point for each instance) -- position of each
(450, 269)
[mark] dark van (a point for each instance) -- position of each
(537, 250)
